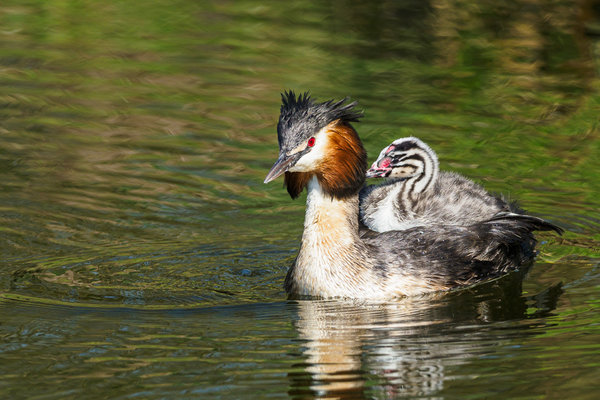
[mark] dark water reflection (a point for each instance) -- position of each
(411, 347)
(141, 255)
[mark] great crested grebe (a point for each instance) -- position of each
(418, 194)
(320, 150)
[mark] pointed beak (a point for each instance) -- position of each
(283, 163)
(378, 172)
(380, 168)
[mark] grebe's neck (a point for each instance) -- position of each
(332, 261)
(424, 163)
(328, 212)
(332, 257)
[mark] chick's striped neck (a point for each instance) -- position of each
(417, 164)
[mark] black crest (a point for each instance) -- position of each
(301, 118)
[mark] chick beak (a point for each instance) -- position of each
(377, 172)
(283, 163)
(379, 169)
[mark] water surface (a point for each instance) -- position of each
(141, 255)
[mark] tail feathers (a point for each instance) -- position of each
(527, 222)
(507, 240)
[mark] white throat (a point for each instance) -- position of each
(330, 256)
(327, 216)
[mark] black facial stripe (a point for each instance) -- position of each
(411, 188)
(407, 164)
(405, 157)
(411, 161)
(415, 180)
(418, 179)
(429, 177)
(405, 146)
(306, 150)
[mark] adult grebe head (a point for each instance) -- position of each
(316, 139)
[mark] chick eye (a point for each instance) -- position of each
(311, 142)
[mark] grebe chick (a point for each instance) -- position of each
(418, 194)
(320, 150)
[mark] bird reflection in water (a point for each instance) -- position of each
(356, 350)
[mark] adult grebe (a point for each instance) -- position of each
(319, 149)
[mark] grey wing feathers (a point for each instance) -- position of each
(461, 255)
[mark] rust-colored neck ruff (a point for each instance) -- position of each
(341, 173)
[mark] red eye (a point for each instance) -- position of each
(311, 142)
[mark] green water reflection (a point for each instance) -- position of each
(141, 255)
